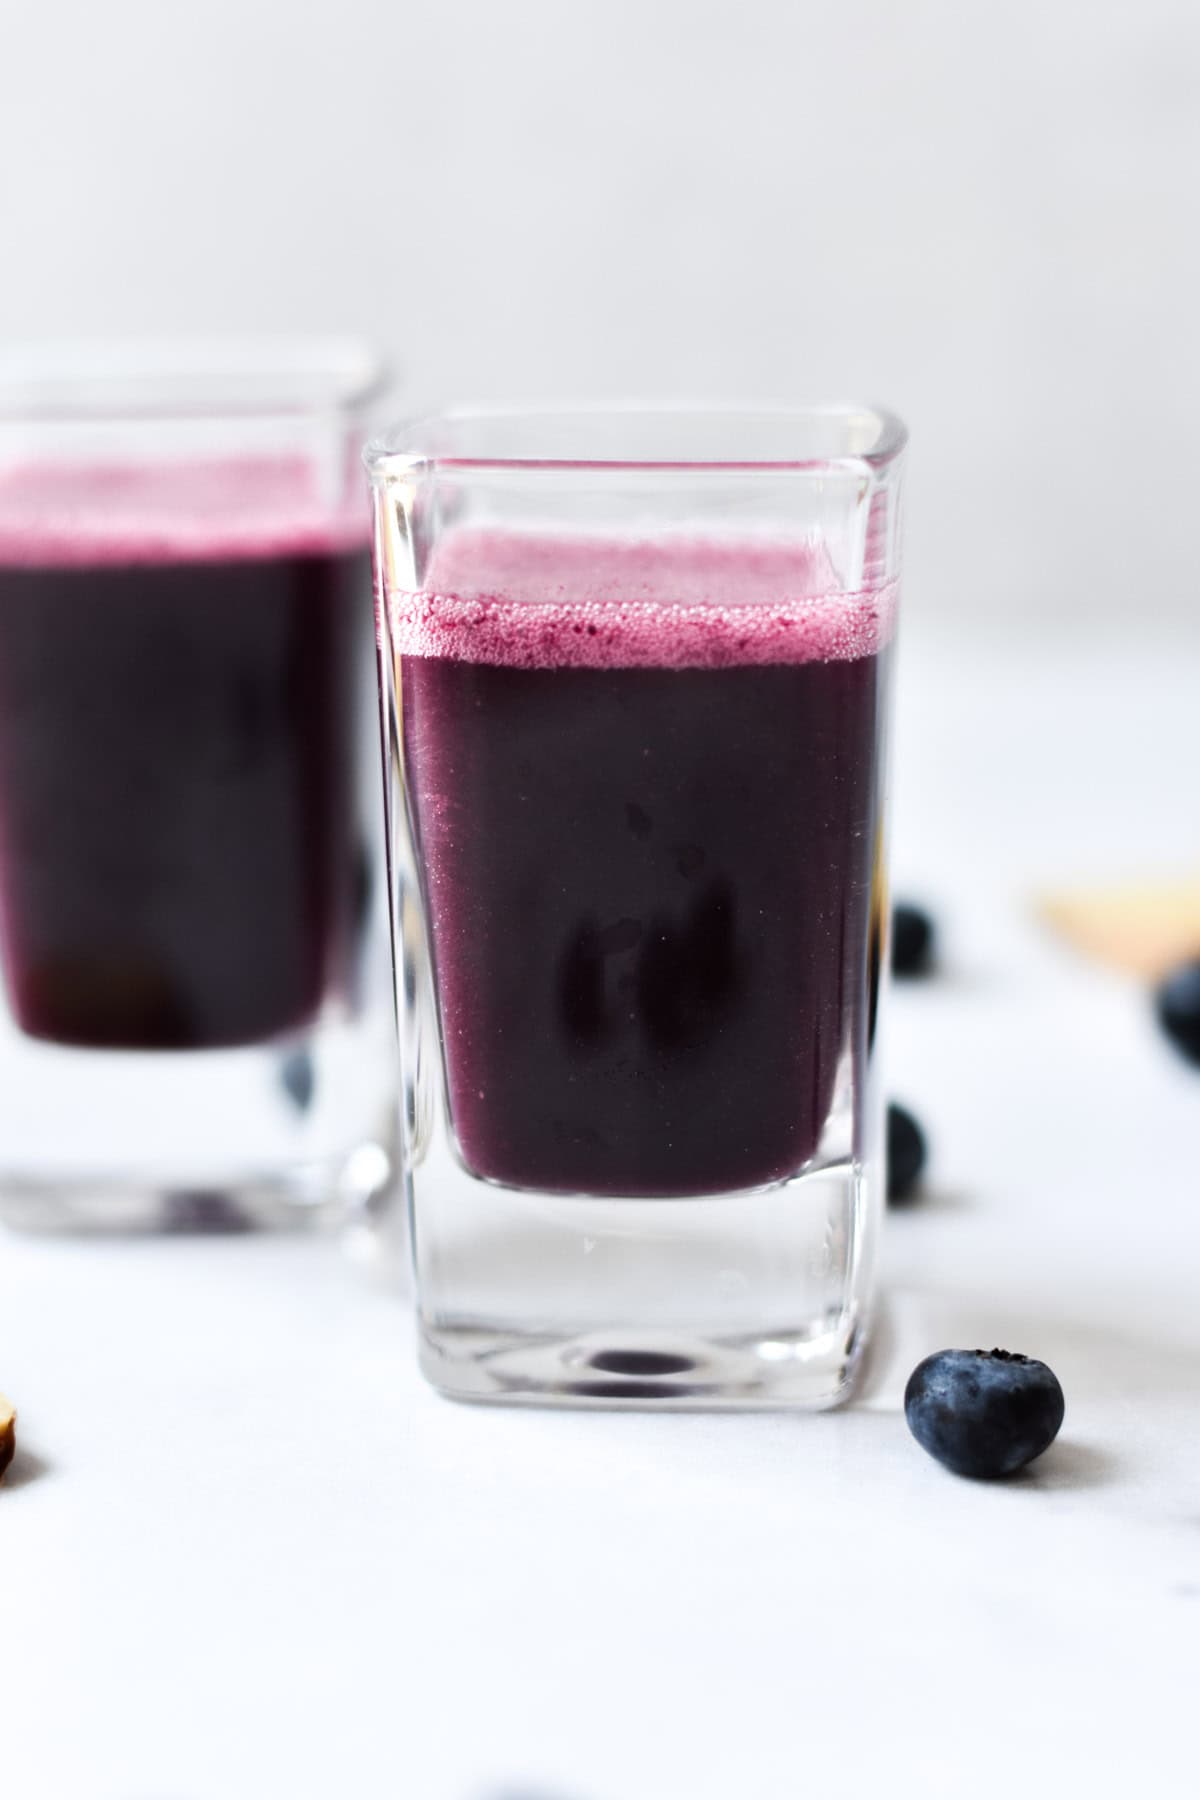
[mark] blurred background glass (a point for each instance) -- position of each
(195, 1026)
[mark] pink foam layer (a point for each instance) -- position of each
(65, 516)
(516, 601)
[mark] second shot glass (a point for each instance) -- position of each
(196, 1017)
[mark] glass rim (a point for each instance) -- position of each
(95, 381)
(408, 446)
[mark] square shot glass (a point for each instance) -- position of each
(195, 1008)
(634, 672)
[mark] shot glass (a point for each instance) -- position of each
(634, 671)
(195, 1007)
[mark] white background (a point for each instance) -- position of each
(983, 215)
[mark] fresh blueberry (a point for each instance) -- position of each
(1178, 1002)
(983, 1413)
(912, 940)
(905, 1154)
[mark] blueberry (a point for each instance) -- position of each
(905, 1153)
(298, 1078)
(912, 940)
(362, 882)
(983, 1413)
(1178, 1004)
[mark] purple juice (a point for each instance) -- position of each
(180, 656)
(642, 789)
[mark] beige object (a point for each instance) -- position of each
(1145, 929)
(8, 1433)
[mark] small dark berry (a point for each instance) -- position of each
(1178, 1004)
(912, 940)
(8, 1433)
(362, 883)
(905, 1154)
(983, 1413)
(298, 1078)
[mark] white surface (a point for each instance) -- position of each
(981, 215)
(247, 1554)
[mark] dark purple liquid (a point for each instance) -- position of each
(647, 890)
(177, 794)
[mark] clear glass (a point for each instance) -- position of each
(634, 676)
(196, 1016)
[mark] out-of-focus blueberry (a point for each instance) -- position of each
(298, 1078)
(1178, 1005)
(906, 1154)
(912, 940)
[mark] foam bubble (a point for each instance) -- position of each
(517, 601)
(57, 515)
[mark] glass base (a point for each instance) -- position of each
(296, 1133)
(745, 1300)
(314, 1196)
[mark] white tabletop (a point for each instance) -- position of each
(245, 1553)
